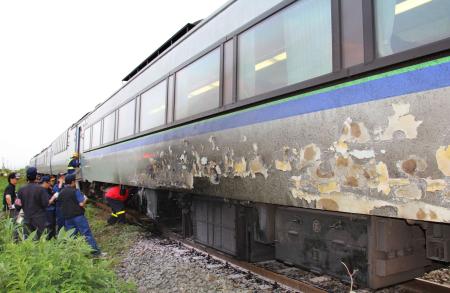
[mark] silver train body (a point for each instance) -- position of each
(369, 141)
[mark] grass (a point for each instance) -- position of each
(115, 240)
(64, 264)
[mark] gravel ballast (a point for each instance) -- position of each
(162, 265)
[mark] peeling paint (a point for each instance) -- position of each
(189, 180)
(443, 159)
(255, 147)
(310, 153)
(240, 168)
(366, 205)
(212, 141)
(296, 193)
(383, 178)
(296, 181)
(327, 204)
(331, 186)
(435, 184)
(363, 154)
(354, 132)
(341, 147)
(398, 181)
(411, 191)
(283, 165)
(412, 165)
(401, 121)
(257, 167)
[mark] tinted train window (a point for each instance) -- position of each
(197, 86)
(289, 47)
(405, 24)
(109, 127)
(96, 134)
(87, 139)
(126, 119)
(153, 106)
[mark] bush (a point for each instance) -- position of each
(59, 265)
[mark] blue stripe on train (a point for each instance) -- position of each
(428, 78)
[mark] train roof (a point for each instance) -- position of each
(172, 40)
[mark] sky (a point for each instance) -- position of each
(60, 58)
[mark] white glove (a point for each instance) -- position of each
(56, 195)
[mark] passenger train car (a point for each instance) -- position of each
(309, 131)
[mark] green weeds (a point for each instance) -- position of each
(60, 265)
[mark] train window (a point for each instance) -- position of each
(197, 86)
(153, 106)
(96, 134)
(87, 139)
(109, 128)
(291, 46)
(405, 24)
(126, 119)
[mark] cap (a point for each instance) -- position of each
(62, 174)
(45, 179)
(31, 173)
(70, 178)
(75, 155)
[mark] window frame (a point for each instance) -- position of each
(187, 64)
(90, 138)
(135, 99)
(139, 108)
(336, 57)
(114, 127)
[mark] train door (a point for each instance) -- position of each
(78, 139)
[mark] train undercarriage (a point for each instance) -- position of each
(381, 251)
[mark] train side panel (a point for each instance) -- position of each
(375, 146)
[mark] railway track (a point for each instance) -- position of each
(275, 273)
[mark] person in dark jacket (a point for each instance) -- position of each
(116, 197)
(9, 196)
(72, 205)
(34, 202)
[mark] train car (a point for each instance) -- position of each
(313, 132)
(33, 162)
(43, 161)
(63, 148)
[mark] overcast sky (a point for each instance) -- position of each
(58, 59)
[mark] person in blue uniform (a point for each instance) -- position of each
(58, 212)
(72, 205)
(74, 163)
(51, 209)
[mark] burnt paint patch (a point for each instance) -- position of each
(385, 211)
